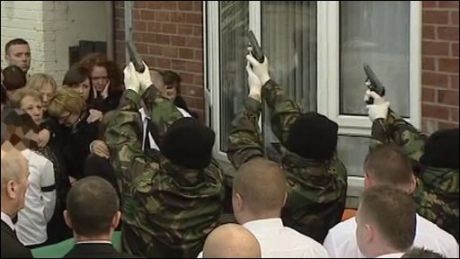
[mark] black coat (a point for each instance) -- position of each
(104, 105)
(101, 250)
(11, 247)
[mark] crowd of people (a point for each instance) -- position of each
(110, 150)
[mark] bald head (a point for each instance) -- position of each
(261, 184)
(231, 241)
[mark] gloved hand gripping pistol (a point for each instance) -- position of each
(373, 83)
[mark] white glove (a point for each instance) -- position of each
(144, 78)
(255, 86)
(260, 69)
(130, 80)
(379, 109)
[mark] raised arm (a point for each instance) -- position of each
(245, 139)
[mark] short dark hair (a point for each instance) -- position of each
(420, 252)
(393, 212)
(17, 41)
(91, 204)
(389, 165)
(171, 77)
(14, 78)
(76, 75)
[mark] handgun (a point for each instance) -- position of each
(134, 57)
(373, 83)
(256, 52)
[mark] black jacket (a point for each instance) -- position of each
(101, 250)
(104, 105)
(11, 247)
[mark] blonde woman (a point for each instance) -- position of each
(45, 84)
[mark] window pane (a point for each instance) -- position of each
(234, 26)
(352, 150)
(376, 33)
(289, 41)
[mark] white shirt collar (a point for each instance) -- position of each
(263, 224)
(95, 242)
(7, 220)
(392, 255)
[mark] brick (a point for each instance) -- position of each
(453, 82)
(454, 49)
(162, 5)
(142, 48)
(186, 53)
(428, 95)
(140, 4)
(178, 65)
(428, 63)
(194, 18)
(448, 65)
(187, 77)
(147, 15)
(429, 4)
(169, 28)
(194, 91)
(178, 41)
(178, 17)
(435, 48)
(162, 16)
(447, 97)
(194, 42)
(447, 33)
(140, 26)
(428, 32)
(155, 49)
(198, 31)
(199, 54)
(197, 6)
(185, 30)
(149, 38)
(120, 35)
(448, 4)
(429, 126)
(435, 17)
(154, 26)
(447, 125)
(454, 18)
(435, 111)
(137, 15)
(185, 5)
(435, 79)
(162, 39)
(194, 67)
(454, 114)
(170, 52)
(198, 80)
(163, 63)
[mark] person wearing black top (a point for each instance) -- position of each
(173, 91)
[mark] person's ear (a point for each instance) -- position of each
(285, 199)
(237, 201)
(413, 184)
(368, 182)
(67, 219)
(116, 219)
(369, 233)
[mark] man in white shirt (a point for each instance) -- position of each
(14, 185)
(387, 165)
(231, 241)
(259, 194)
(40, 201)
(385, 222)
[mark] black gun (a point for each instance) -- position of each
(373, 83)
(256, 52)
(134, 57)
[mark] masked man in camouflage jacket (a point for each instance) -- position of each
(171, 199)
(316, 177)
(436, 158)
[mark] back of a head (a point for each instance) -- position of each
(92, 203)
(38, 80)
(76, 75)
(418, 252)
(441, 149)
(392, 212)
(188, 143)
(170, 77)
(313, 136)
(387, 164)
(231, 241)
(262, 185)
(13, 78)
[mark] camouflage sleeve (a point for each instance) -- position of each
(245, 139)
(394, 129)
(123, 137)
(283, 110)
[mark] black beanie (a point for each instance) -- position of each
(313, 136)
(441, 149)
(188, 143)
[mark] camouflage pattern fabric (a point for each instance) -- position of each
(167, 209)
(437, 188)
(316, 189)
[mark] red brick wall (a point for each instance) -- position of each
(439, 65)
(168, 36)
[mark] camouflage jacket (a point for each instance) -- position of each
(316, 190)
(437, 188)
(167, 210)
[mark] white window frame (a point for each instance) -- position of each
(328, 94)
